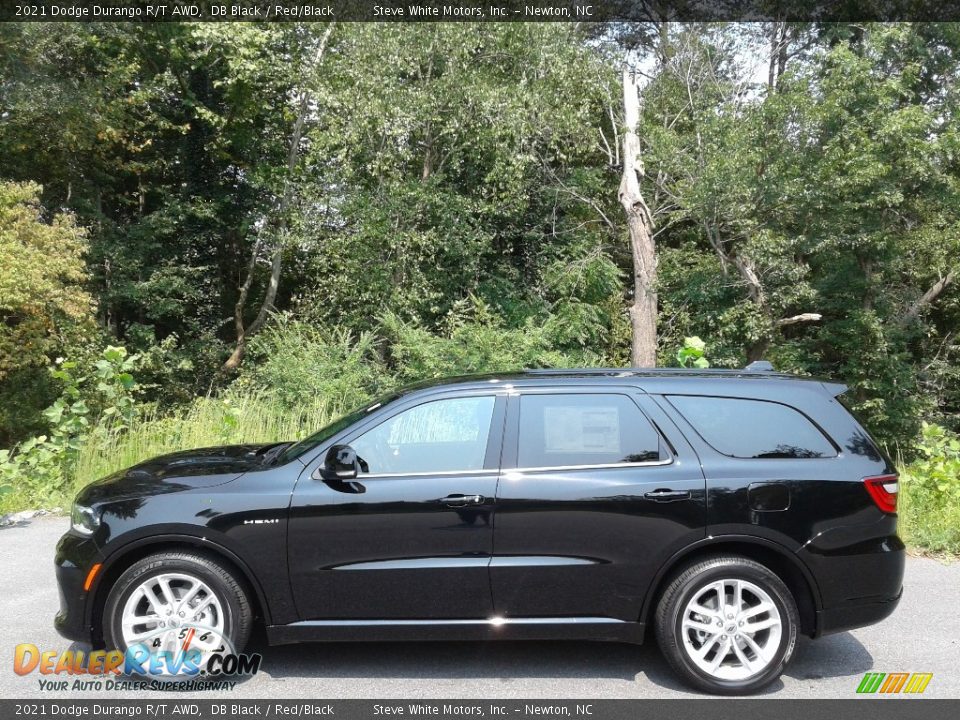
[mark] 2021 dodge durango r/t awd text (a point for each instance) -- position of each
(727, 511)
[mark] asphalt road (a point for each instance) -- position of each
(922, 636)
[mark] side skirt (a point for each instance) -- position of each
(572, 628)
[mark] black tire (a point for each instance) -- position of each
(691, 580)
(229, 589)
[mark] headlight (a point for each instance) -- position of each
(84, 520)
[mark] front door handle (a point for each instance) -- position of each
(665, 495)
(459, 500)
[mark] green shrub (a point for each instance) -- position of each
(473, 340)
(96, 405)
(693, 353)
(299, 364)
(929, 503)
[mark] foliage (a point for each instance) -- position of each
(930, 492)
(474, 340)
(297, 364)
(97, 404)
(693, 353)
(44, 308)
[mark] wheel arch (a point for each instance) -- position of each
(777, 558)
(122, 558)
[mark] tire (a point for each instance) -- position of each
(692, 641)
(224, 615)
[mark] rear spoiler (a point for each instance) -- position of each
(835, 389)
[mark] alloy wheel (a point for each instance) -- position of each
(173, 613)
(731, 629)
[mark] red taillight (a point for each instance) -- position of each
(883, 490)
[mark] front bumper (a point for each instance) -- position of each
(75, 556)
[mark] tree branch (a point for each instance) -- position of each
(801, 318)
(928, 297)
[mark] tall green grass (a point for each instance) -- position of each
(252, 418)
(204, 423)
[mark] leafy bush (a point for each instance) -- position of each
(296, 363)
(930, 492)
(98, 404)
(693, 353)
(474, 340)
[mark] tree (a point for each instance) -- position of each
(276, 265)
(42, 275)
(643, 312)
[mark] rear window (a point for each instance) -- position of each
(753, 428)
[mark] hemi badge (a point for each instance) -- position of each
(272, 521)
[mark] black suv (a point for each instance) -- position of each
(729, 510)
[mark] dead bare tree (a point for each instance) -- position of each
(244, 332)
(643, 312)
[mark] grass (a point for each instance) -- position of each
(927, 526)
(204, 423)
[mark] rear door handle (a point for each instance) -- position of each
(664, 495)
(459, 500)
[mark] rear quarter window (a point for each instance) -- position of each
(745, 428)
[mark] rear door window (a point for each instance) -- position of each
(753, 428)
(584, 429)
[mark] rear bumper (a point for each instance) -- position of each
(859, 574)
(838, 619)
(75, 556)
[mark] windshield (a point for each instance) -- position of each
(309, 443)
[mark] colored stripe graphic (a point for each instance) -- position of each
(870, 682)
(889, 684)
(918, 682)
(894, 682)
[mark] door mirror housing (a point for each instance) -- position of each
(341, 463)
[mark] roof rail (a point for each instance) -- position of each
(760, 366)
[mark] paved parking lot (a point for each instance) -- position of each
(922, 636)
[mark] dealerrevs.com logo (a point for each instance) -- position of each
(894, 683)
(193, 658)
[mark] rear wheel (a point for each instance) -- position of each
(727, 625)
(176, 603)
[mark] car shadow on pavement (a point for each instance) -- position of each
(833, 656)
(828, 657)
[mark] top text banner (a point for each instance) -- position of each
(477, 10)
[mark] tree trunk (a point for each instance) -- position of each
(643, 312)
(276, 265)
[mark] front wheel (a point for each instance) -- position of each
(180, 608)
(727, 625)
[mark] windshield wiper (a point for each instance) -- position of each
(271, 452)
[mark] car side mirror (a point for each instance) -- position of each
(341, 463)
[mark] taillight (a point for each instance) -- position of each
(883, 490)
